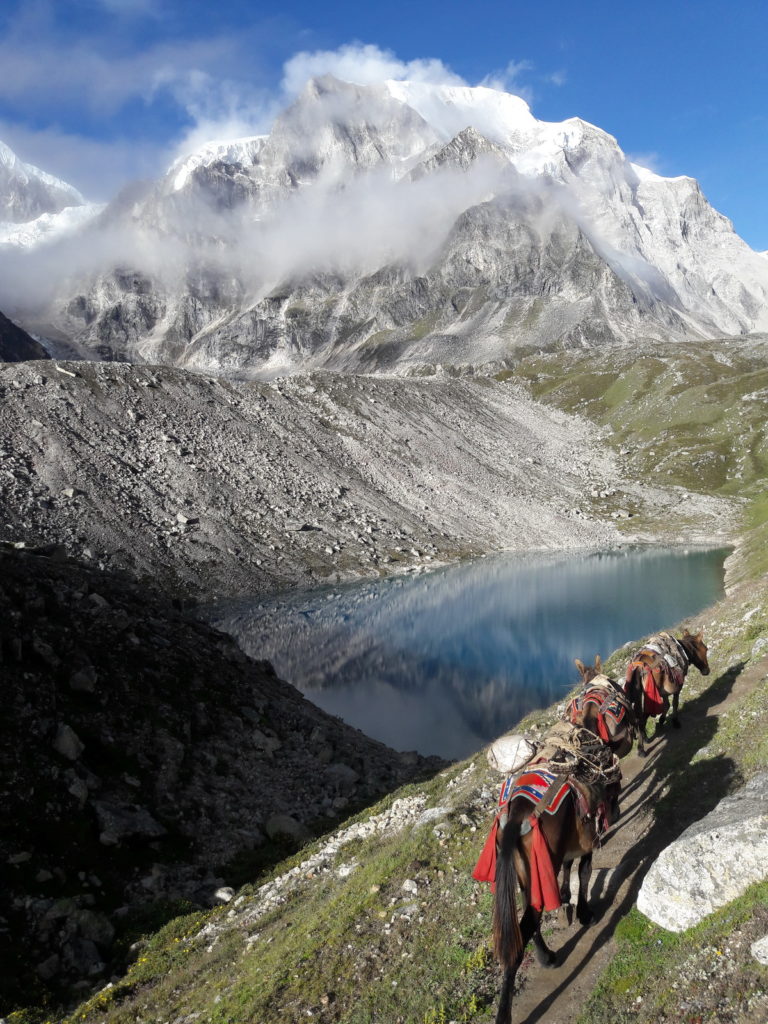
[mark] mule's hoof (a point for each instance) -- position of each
(660, 727)
(586, 917)
(641, 753)
(675, 723)
(546, 958)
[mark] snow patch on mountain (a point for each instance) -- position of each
(48, 227)
(233, 151)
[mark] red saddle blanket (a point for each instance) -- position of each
(533, 786)
(609, 706)
(653, 697)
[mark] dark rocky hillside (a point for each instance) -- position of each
(146, 764)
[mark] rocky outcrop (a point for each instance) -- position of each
(179, 768)
(16, 345)
(713, 861)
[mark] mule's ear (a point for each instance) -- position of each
(699, 635)
(686, 632)
(580, 666)
(598, 663)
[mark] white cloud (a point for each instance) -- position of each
(363, 64)
(96, 168)
(89, 77)
(218, 109)
(650, 161)
(556, 77)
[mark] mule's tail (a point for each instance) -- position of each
(633, 688)
(507, 938)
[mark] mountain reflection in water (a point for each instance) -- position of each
(442, 663)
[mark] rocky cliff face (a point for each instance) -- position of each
(16, 345)
(400, 225)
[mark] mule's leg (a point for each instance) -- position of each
(529, 928)
(504, 1013)
(583, 914)
(541, 950)
(664, 712)
(675, 704)
(642, 736)
(565, 891)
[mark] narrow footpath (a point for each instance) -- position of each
(556, 995)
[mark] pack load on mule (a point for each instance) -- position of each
(657, 672)
(554, 809)
(603, 708)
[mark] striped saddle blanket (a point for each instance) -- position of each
(533, 785)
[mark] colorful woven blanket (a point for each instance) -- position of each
(610, 702)
(534, 786)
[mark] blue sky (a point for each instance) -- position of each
(100, 91)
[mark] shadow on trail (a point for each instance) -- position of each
(689, 793)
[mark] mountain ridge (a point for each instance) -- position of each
(309, 247)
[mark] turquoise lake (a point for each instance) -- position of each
(444, 662)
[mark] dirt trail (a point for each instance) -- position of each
(556, 995)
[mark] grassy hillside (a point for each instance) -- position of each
(389, 927)
(686, 415)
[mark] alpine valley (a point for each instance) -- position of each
(410, 325)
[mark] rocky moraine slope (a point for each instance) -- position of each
(231, 487)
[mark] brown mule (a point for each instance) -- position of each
(657, 672)
(533, 847)
(603, 708)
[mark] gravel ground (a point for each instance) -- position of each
(226, 487)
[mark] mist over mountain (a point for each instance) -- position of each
(390, 225)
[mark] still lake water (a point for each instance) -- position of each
(444, 662)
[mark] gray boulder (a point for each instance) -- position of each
(120, 822)
(712, 863)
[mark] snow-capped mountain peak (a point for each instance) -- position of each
(231, 151)
(26, 192)
(403, 223)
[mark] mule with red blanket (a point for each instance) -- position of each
(657, 672)
(602, 707)
(550, 814)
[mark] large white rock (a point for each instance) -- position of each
(508, 753)
(760, 950)
(713, 862)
